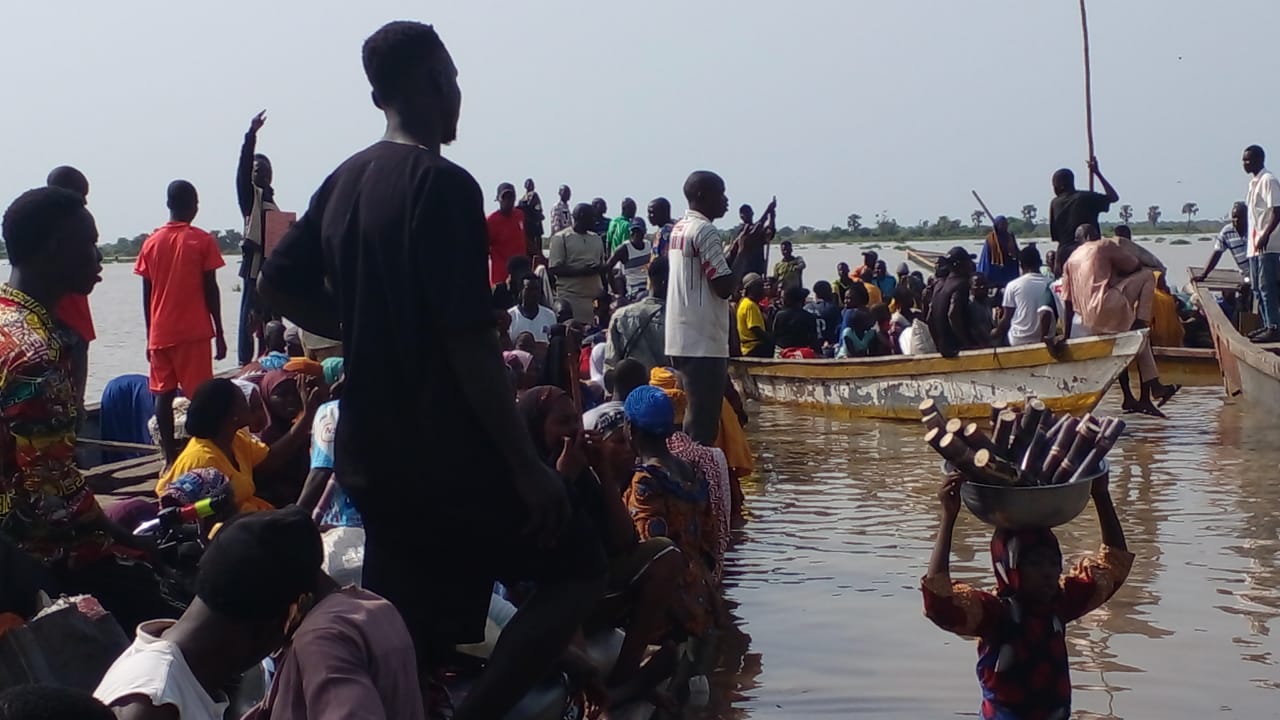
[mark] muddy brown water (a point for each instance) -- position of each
(825, 576)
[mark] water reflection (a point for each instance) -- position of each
(825, 576)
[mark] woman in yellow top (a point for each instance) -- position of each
(217, 420)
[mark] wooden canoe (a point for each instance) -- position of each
(892, 387)
(1249, 370)
(1192, 367)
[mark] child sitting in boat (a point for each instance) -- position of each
(1022, 649)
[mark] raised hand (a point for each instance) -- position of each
(257, 122)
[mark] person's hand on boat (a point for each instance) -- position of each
(219, 347)
(257, 122)
(949, 496)
(1057, 345)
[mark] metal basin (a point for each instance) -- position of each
(1016, 508)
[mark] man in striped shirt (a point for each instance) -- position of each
(1232, 238)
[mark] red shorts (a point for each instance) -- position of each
(186, 366)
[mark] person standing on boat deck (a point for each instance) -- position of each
(754, 261)
(1113, 293)
(1029, 311)
(487, 495)
(256, 197)
(1233, 238)
(561, 216)
(660, 219)
(506, 233)
(950, 315)
(576, 260)
(1264, 258)
(73, 311)
(175, 261)
(998, 259)
(789, 271)
(1124, 238)
(619, 231)
(1072, 208)
(530, 206)
(49, 512)
(637, 331)
(698, 311)
(633, 256)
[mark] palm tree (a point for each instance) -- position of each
(1189, 209)
(1153, 215)
(1126, 213)
(854, 222)
(977, 217)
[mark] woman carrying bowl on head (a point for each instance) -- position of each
(1022, 648)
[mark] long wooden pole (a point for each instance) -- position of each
(1088, 88)
(990, 217)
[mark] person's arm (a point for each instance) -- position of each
(1068, 318)
(958, 317)
(1272, 196)
(293, 278)
(1112, 195)
(955, 607)
(146, 306)
(723, 279)
(213, 301)
(1006, 321)
(137, 707)
(1095, 579)
(1209, 266)
(244, 169)
(619, 256)
(333, 668)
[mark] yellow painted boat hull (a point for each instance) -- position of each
(893, 387)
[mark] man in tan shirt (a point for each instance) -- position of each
(1113, 292)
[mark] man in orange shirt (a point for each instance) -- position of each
(73, 310)
(506, 233)
(175, 261)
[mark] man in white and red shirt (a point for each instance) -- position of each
(1264, 258)
(699, 286)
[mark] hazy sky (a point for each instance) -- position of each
(837, 106)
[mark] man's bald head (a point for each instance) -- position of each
(705, 193)
(1087, 233)
(69, 178)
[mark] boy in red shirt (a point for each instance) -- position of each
(175, 261)
(506, 233)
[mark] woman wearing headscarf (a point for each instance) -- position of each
(595, 463)
(998, 260)
(217, 420)
(666, 498)
(283, 392)
(731, 440)
(1022, 648)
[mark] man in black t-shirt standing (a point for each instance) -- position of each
(429, 445)
(1072, 208)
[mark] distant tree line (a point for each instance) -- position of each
(228, 242)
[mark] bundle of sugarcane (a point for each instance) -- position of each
(1023, 449)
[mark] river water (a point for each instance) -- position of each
(824, 577)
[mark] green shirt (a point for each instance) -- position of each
(619, 233)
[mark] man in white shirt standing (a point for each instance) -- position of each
(1028, 312)
(697, 321)
(1264, 260)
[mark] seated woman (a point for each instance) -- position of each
(1166, 323)
(666, 498)
(283, 391)
(1022, 646)
(217, 419)
(258, 418)
(642, 575)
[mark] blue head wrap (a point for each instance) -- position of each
(649, 409)
(332, 369)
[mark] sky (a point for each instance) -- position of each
(834, 106)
